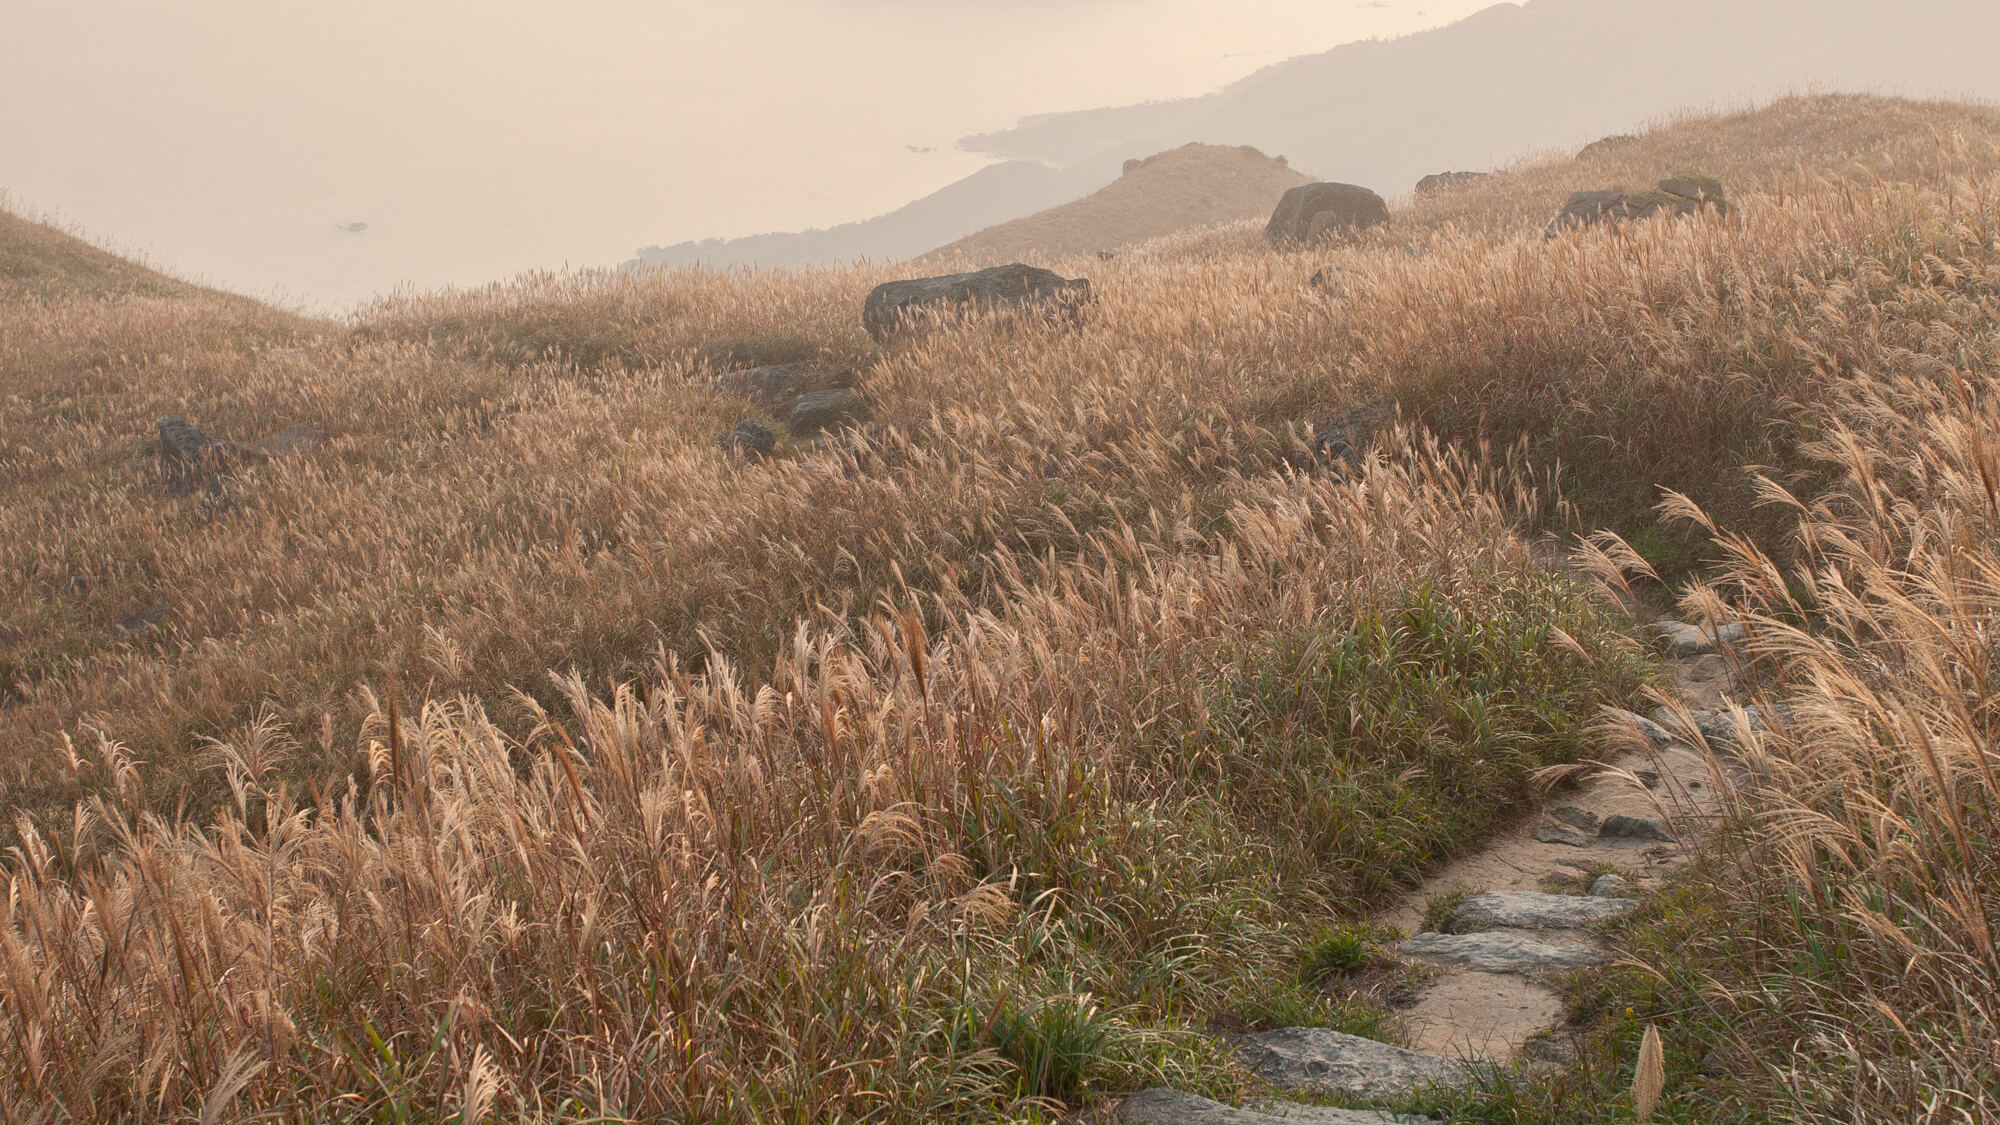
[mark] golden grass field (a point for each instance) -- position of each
(516, 754)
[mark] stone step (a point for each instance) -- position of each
(1499, 952)
(1162, 1106)
(1324, 1061)
(1533, 910)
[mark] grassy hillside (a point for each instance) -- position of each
(1193, 186)
(517, 752)
(41, 261)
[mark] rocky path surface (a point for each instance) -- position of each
(1530, 901)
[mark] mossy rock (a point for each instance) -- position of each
(1699, 188)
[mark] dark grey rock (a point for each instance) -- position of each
(1347, 439)
(190, 459)
(1723, 728)
(1499, 952)
(1532, 910)
(1561, 834)
(1648, 778)
(1634, 828)
(751, 438)
(826, 410)
(1595, 208)
(1310, 212)
(898, 306)
(1447, 181)
(1606, 145)
(1161, 1106)
(1577, 818)
(146, 620)
(1655, 734)
(1320, 1060)
(768, 383)
(1608, 886)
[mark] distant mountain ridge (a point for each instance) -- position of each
(1546, 74)
(1507, 80)
(989, 196)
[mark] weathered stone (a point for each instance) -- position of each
(1700, 189)
(1593, 208)
(190, 459)
(1310, 212)
(1161, 1106)
(1605, 145)
(825, 410)
(1577, 818)
(768, 383)
(1347, 438)
(897, 306)
(751, 438)
(1561, 834)
(1684, 640)
(146, 620)
(1654, 734)
(1325, 1061)
(1648, 778)
(1724, 728)
(1634, 828)
(1532, 910)
(1498, 952)
(1447, 181)
(1608, 886)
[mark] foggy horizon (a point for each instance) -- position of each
(235, 144)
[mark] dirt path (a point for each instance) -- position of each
(1528, 905)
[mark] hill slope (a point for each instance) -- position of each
(1545, 74)
(40, 260)
(1193, 186)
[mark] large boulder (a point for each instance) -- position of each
(1676, 195)
(1447, 181)
(1310, 212)
(896, 306)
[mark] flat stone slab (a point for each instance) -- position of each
(1499, 952)
(1561, 834)
(1533, 910)
(1635, 828)
(1161, 1106)
(1326, 1061)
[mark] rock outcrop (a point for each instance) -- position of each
(896, 307)
(1311, 212)
(826, 410)
(1604, 146)
(1447, 181)
(190, 459)
(1677, 195)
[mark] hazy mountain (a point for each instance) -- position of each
(1545, 74)
(991, 195)
(1192, 186)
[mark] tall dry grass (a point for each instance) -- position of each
(905, 873)
(957, 777)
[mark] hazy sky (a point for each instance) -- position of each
(230, 139)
